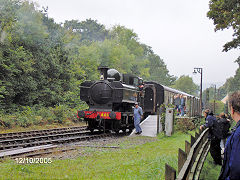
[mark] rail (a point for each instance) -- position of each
(190, 161)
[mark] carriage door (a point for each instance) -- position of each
(149, 98)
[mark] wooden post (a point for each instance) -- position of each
(158, 120)
(170, 173)
(187, 147)
(193, 140)
(196, 135)
(182, 157)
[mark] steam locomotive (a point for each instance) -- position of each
(111, 100)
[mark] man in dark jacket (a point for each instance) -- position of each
(215, 149)
(231, 162)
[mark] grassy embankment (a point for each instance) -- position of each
(145, 161)
(210, 170)
(37, 118)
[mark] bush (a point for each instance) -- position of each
(24, 121)
(38, 115)
(7, 121)
(184, 124)
(74, 118)
(60, 112)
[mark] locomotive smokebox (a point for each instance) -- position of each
(103, 71)
(101, 93)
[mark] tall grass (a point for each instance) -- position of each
(210, 170)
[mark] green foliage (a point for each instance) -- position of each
(37, 115)
(226, 14)
(42, 63)
(219, 106)
(89, 30)
(184, 124)
(186, 84)
(158, 70)
(60, 114)
(7, 121)
(211, 91)
(234, 83)
(210, 170)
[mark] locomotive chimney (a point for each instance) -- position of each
(103, 71)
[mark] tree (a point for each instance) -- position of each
(219, 106)
(34, 63)
(42, 62)
(234, 83)
(129, 39)
(90, 30)
(8, 10)
(226, 14)
(186, 84)
(158, 70)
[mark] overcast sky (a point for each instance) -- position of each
(178, 31)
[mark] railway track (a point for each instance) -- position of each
(37, 132)
(15, 144)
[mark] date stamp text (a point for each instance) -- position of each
(34, 160)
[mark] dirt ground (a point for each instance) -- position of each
(85, 148)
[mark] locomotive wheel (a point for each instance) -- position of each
(130, 130)
(116, 131)
(124, 130)
(116, 126)
(91, 130)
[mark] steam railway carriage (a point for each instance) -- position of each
(156, 94)
(111, 100)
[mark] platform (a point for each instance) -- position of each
(149, 127)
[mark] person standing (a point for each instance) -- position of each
(182, 104)
(224, 128)
(138, 113)
(177, 103)
(231, 162)
(215, 149)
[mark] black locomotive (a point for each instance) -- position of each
(111, 100)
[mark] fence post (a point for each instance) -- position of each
(187, 147)
(169, 121)
(193, 140)
(170, 173)
(158, 113)
(182, 157)
(196, 135)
